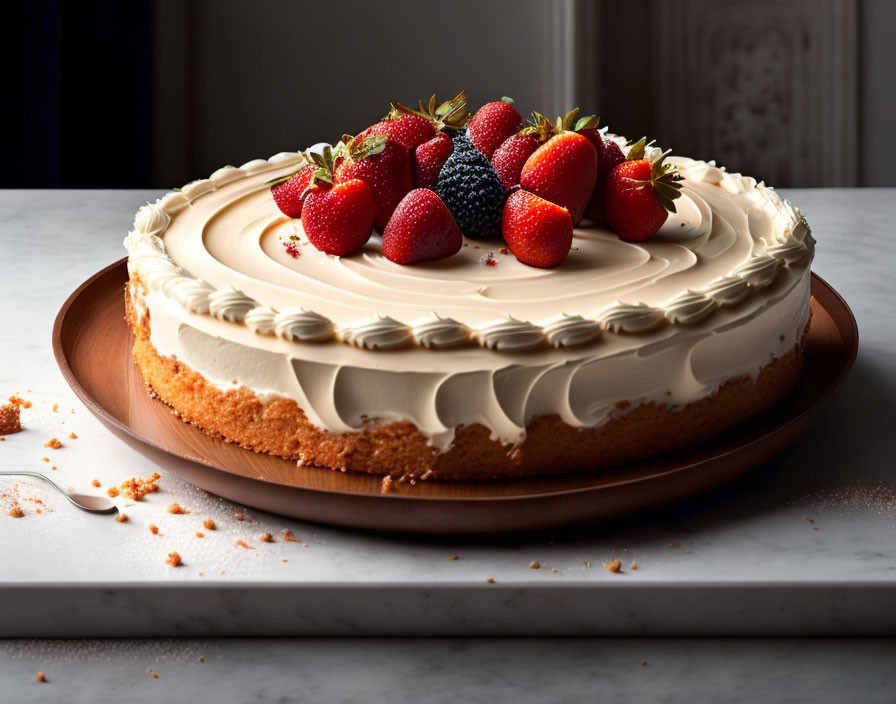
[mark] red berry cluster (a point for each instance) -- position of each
(556, 174)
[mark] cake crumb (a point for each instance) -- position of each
(121, 518)
(242, 544)
(675, 545)
(613, 566)
(153, 528)
(73, 436)
(201, 658)
(266, 538)
(44, 459)
(16, 512)
(176, 508)
(41, 677)
(490, 580)
(19, 401)
(152, 672)
(534, 565)
(585, 563)
(138, 487)
(10, 419)
(386, 485)
(289, 537)
(111, 492)
(96, 483)
(200, 534)
(452, 558)
(53, 444)
(555, 570)
(55, 408)
(54, 467)
(173, 560)
(2, 438)
(809, 519)
(633, 566)
(284, 560)
(209, 524)
(239, 516)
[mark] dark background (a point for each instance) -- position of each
(143, 93)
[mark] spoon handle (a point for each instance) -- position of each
(100, 506)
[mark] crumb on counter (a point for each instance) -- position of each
(73, 435)
(288, 537)
(44, 459)
(243, 544)
(386, 485)
(153, 528)
(266, 538)
(112, 492)
(452, 558)
(55, 408)
(19, 401)
(200, 534)
(41, 677)
(176, 508)
(53, 444)
(153, 673)
(585, 563)
(633, 566)
(209, 524)
(534, 565)
(121, 518)
(96, 483)
(10, 419)
(136, 488)
(173, 560)
(613, 566)
(239, 516)
(675, 545)
(490, 580)
(16, 512)
(201, 658)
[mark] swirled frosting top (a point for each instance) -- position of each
(219, 247)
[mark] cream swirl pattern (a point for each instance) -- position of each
(731, 236)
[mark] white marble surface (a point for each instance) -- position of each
(473, 671)
(747, 562)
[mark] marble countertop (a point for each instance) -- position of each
(805, 545)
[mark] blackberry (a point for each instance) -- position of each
(471, 189)
(461, 141)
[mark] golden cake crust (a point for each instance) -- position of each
(551, 446)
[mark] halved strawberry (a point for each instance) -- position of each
(421, 229)
(509, 158)
(538, 232)
(429, 158)
(640, 194)
(382, 164)
(564, 169)
(492, 124)
(338, 218)
(289, 192)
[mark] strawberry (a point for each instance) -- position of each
(640, 194)
(509, 158)
(610, 155)
(492, 124)
(407, 130)
(538, 232)
(563, 170)
(338, 218)
(410, 128)
(421, 229)
(289, 192)
(428, 158)
(382, 164)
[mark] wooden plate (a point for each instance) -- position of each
(92, 345)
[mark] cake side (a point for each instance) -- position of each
(549, 445)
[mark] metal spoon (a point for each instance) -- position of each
(91, 504)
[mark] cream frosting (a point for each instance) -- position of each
(444, 344)
(227, 232)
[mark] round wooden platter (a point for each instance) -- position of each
(92, 345)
